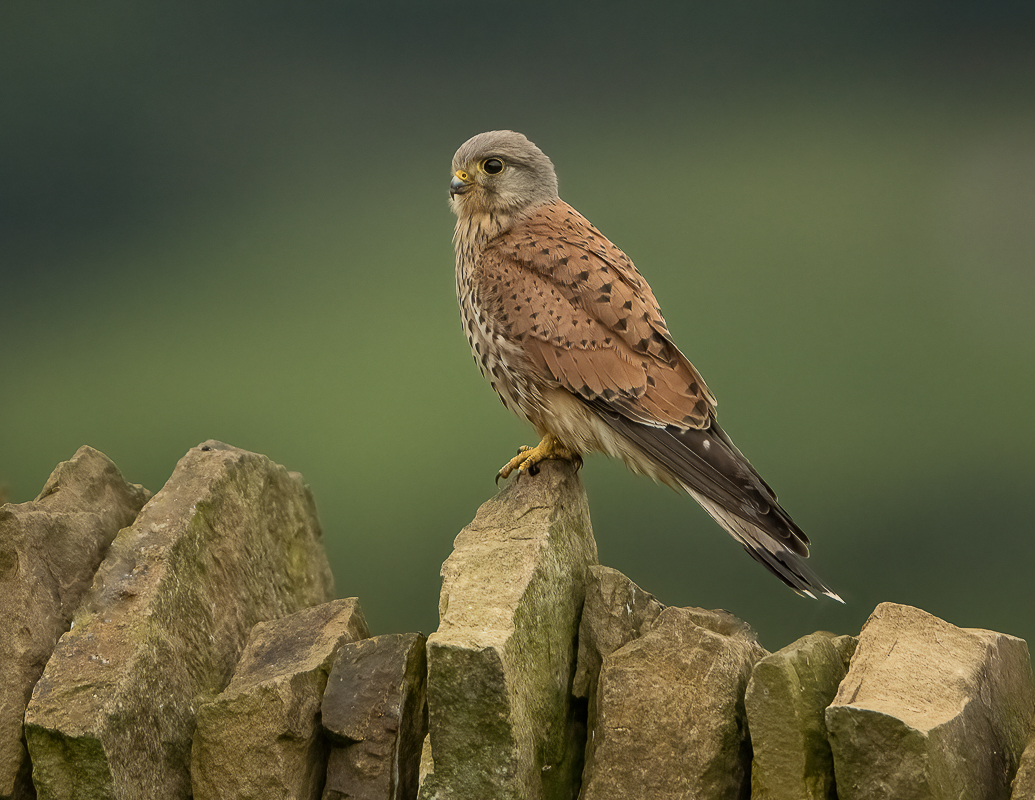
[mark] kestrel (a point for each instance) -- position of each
(570, 336)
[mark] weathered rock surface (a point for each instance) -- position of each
(427, 763)
(786, 699)
(1023, 787)
(929, 710)
(616, 612)
(375, 710)
(49, 551)
(502, 660)
(261, 736)
(670, 719)
(231, 540)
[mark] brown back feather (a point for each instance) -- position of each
(588, 319)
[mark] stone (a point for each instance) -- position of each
(375, 711)
(1023, 787)
(50, 549)
(616, 612)
(427, 763)
(670, 720)
(232, 539)
(261, 737)
(929, 710)
(500, 666)
(786, 698)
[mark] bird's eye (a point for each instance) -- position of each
(492, 166)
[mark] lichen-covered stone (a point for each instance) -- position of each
(786, 698)
(49, 551)
(929, 710)
(375, 711)
(231, 540)
(670, 721)
(616, 612)
(500, 665)
(261, 736)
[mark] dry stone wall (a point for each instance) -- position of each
(50, 549)
(189, 645)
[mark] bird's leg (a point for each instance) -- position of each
(528, 458)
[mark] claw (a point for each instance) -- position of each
(529, 458)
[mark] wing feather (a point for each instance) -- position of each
(714, 472)
(588, 319)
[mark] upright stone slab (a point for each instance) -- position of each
(375, 711)
(670, 720)
(929, 710)
(786, 698)
(231, 540)
(49, 551)
(261, 736)
(616, 612)
(501, 663)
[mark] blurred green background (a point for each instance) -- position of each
(229, 221)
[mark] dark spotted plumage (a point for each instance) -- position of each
(572, 339)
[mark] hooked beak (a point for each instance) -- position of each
(459, 185)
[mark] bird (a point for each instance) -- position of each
(570, 336)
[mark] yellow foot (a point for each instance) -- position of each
(528, 458)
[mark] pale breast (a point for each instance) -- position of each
(501, 360)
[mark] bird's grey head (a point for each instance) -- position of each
(500, 172)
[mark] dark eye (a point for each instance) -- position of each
(492, 166)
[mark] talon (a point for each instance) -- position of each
(529, 458)
(513, 464)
